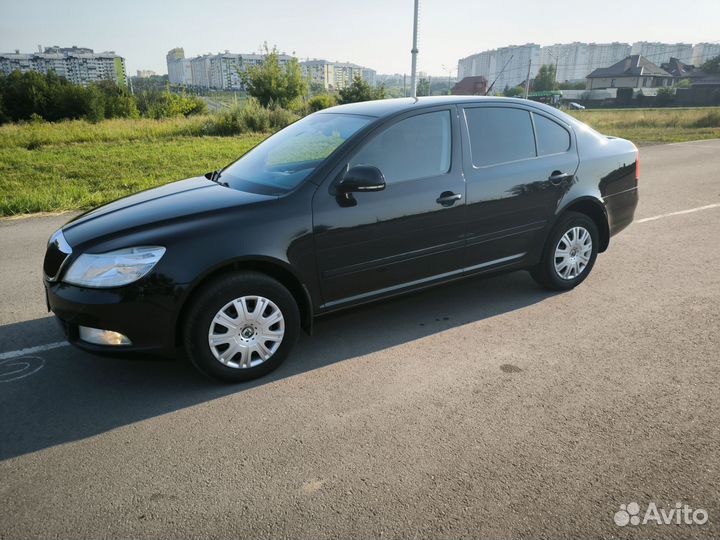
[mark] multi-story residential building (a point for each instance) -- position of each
(659, 53)
(79, 65)
(179, 68)
(506, 66)
(145, 73)
(335, 75)
(702, 52)
(575, 61)
(220, 71)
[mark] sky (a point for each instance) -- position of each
(373, 33)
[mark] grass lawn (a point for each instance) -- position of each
(78, 165)
(655, 126)
(66, 167)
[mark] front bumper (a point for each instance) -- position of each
(147, 316)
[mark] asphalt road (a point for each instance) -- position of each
(486, 408)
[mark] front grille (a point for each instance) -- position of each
(57, 252)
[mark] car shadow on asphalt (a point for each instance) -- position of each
(75, 395)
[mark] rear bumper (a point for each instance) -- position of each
(146, 317)
(621, 209)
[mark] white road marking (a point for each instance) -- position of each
(32, 350)
(20, 368)
(690, 211)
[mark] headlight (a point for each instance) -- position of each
(114, 268)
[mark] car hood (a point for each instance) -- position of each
(155, 206)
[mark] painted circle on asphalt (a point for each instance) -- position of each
(13, 369)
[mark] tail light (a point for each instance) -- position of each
(637, 166)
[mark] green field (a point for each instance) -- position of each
(655, 126)
(77, 165)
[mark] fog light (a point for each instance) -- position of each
(103, 337)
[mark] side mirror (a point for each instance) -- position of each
(359, 179)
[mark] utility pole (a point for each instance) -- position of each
(404, 85)
(527, 80)
(414, 52)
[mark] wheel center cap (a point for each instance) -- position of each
(247, 332)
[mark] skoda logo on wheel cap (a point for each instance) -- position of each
(247, 332)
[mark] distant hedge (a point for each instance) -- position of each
(32, 95)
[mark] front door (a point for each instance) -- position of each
(406, 235)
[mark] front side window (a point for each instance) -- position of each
(417, 147)
(499, 135)
(282, 161)
(551, 137)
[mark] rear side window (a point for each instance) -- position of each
(499, 135)
(551, 137)
(417, 147)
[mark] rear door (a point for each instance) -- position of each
(518, 163)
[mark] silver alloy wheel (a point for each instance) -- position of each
(573, 252)
(246, 332)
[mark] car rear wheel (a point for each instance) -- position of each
(570, 253)
(241, 326)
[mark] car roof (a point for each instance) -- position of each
(386, 107)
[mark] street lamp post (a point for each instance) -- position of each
(414, 52)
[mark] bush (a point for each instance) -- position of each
(321, 101)
(250, 117)
(155, 104)
(665, 96)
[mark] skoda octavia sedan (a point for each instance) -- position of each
(346, 206)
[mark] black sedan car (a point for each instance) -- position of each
(346, 206)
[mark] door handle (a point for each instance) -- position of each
(556, 177)
(448, 198)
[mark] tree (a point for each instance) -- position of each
(712, 65)
(545, 79)
(321, 101)
(273, 84)
(513, 92)
(360, 90)
(423, 87)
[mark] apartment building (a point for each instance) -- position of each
(576, 60)
(702, 52)
(507, 66)
(79, 65)
(659, 53)
(335, 75)
(179, 68)
(221, 71)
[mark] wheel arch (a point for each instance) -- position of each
(595, 210)
(270, 267)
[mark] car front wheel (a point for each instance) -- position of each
(241, 326)
(570, 253)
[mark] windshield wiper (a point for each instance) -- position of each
(215, 177)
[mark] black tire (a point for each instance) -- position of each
(208, 301)
(545, 273)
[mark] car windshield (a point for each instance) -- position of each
(282, 161)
